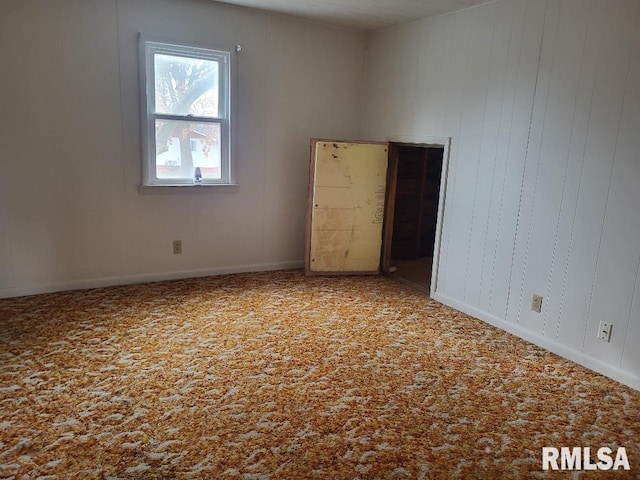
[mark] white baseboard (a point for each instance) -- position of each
(594, 364)
(145, 278)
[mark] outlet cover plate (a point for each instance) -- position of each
(536, 303)
(604, 331)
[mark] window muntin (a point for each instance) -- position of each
(187, 117)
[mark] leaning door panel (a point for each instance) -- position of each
(346, 207)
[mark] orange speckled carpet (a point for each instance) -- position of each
(278, 376)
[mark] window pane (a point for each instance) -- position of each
(183, 146)
(186, 86)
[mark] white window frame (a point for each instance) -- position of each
(147, 48)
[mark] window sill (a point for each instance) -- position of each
(160, 189)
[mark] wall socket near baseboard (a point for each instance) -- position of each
(536, 303)
(177, 247)
(604, 331)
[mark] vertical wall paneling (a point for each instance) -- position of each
(465, 146)
(524, 58)
(475, 283)
(570, 309)
(541, 101)
(452, 76)
(631, 353)
(616, 269)
(600, 143)
(552, 162)
(563, 96)
(627, 173)
(564, 230)
(529, 182)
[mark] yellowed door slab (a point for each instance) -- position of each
(346, 207)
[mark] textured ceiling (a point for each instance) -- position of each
(361, 14)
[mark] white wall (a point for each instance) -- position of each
(542, 102)
(70, 212)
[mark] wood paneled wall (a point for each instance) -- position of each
(542, 102)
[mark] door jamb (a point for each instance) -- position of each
(392, 179)
(390, 203)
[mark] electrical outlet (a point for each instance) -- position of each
(177, 247)
(604, 331)
(536, 303)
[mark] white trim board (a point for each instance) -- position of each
(146, 278)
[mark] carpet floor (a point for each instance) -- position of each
(278, 376)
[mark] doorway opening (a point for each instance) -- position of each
(413, 194)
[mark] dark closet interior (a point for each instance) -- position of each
(416, 206)
(415, 213)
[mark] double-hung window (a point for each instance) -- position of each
(186, 114)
